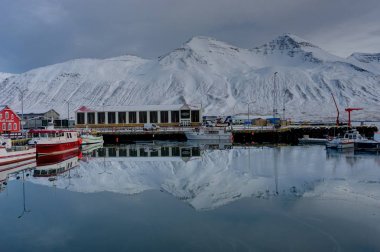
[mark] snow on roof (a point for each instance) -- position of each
(165, 107)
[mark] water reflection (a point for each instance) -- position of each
(207, 176)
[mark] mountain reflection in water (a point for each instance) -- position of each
(207, 176)
(137, 198)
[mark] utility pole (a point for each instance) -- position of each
(68, 113)
(283, 103)
(22, 107)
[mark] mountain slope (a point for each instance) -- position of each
(222, 77)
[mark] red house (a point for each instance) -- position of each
(9, 120)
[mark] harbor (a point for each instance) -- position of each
(252, 135)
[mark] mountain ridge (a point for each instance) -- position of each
(222, 77)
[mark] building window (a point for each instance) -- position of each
(164, 116)
(175, 116)
(185, 114)
(101, 118)
(1, 116)
(132, 117)
(111, 117)
(91, 118)
(153, 116)
(6, 115)
(122, 117)
(143, 117)
(80, 118)
(15, 126)
(9, 126)
(12, 117)
(4, 126)
(164, 151)
(195, 116)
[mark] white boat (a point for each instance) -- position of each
(209, 134)
(345, 142)
(10, 155)
(310, 140)
(91, 139)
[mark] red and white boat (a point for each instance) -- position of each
(55, 142)
(9, 155)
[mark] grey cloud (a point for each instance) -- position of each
(42, 32)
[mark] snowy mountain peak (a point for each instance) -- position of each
(297, 48)
(292, 41)
(366, 57)
(203, 50)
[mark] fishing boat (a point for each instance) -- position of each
(91, 139)
(212, 133)
(55, 142)
(10, 155)
(347, 141)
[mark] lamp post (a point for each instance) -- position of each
(248, 112)
(22, 106)
(68, 113)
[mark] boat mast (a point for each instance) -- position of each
(274, 95)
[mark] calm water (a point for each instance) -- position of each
(165, 197)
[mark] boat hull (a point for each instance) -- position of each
(56, 148)
(11, 157)
(347, 145)
(92, 140)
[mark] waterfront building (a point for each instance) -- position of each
(10, 122)
(35, 119)
(137, 116)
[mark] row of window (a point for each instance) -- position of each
(7, 116)
(4, 126)
(143, 152)
(142, 116)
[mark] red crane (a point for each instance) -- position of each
(349, 114)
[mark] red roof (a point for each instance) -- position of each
(85, 109)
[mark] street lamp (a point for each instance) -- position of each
(68, 112)
(248, 111)
(22, 106)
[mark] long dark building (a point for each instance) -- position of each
(130, 116)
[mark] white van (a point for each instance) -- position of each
(151, 126)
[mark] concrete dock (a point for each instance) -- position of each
(286, 135)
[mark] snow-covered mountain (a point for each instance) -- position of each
(222, 77)
(3, 76)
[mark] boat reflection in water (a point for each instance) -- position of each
(12, 171)
(52, 166)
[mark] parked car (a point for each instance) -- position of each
(151, 126)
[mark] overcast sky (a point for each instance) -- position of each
(36, 33)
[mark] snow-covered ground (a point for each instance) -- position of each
(221, 77)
